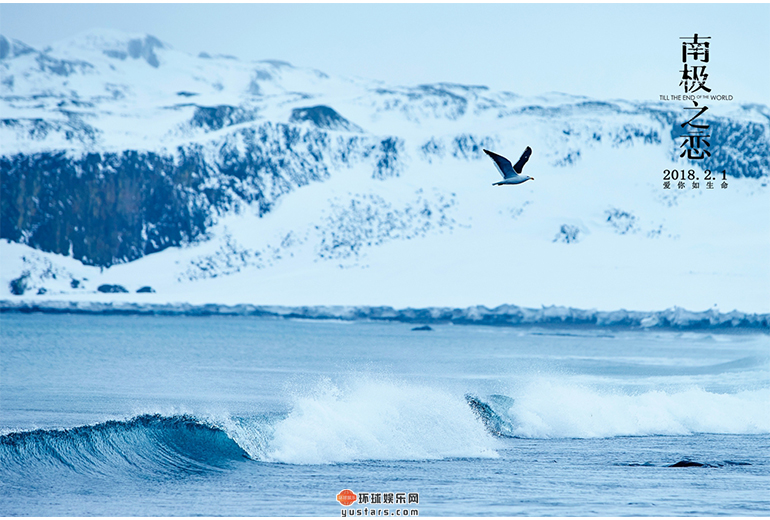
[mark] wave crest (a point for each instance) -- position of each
(546, 409)
(152, 443)
(378, 420)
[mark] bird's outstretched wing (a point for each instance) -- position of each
(503, 164)
(522, 160)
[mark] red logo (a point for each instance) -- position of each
(346, 497)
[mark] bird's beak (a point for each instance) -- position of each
(532, 178)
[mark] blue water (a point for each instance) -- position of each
(148, 415)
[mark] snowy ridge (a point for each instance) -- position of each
(213, 179)
(504, 315)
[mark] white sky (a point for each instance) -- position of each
(629, 51)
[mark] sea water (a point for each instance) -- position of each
(153, 415)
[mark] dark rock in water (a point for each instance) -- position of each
(424, 327)
(42, 290)
(691, 464)
(146, 288)
(688, 464)
(107, 288)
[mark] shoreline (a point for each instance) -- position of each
(676, 318)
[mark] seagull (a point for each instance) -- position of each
(511, 173)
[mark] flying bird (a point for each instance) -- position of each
(511, 173)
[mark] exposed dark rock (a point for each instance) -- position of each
(145, 49)
(370, 220)
(62, 67)
(567, 234)
(218, 117)
(145, 289)
(73, 129)
(122, 207)
(5, 47)
(743, 149)
(424, 327)
(432, 147)
(13, 48)
(467, 146)
(109, 288)
(623, 221)
(254, 88)
(120, 55)
(388, 164)
(19, 285)
(278, 64)
(440, 95)
(116, 207)
(323, 117)
(688, 464)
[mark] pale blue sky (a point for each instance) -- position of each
(629, 51)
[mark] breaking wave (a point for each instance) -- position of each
(378, 420)
(147, 443)
(370, 419)
(330, 424)
(546, 409)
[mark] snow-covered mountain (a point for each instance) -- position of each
(210, 179)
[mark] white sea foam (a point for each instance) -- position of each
(371, 419)
(547, 409)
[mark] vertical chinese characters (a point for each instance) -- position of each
(695, 142)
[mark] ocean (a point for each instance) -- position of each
(251, 416)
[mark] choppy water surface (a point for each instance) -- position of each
(130, 415)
